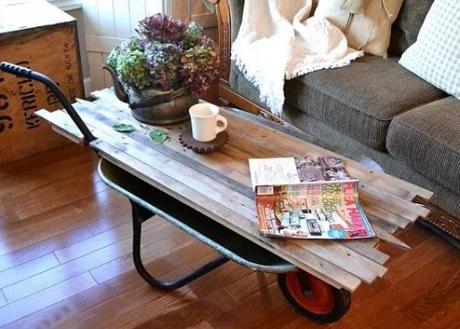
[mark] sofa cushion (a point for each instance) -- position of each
(428, 139)
(406, 27)
(367, 29)
(361, 99)
(435, 55)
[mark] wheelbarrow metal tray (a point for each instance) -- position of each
(206, 230)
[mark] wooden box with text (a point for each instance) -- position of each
(40, 36)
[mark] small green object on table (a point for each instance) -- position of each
(158, 135)
(123, 128)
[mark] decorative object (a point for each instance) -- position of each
(207, 123)
(163, 70)
(45, 42)
(187, 140)
(435, 55)
(367, 24)
(269, 49)
(123, 128)
(158, 135)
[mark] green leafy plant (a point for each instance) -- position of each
(132, 69)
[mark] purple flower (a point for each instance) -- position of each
(163, 63)
(167, 55)
(199, 66)
(161, 28)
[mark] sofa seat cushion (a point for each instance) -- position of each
(361, 99)
(428, 139)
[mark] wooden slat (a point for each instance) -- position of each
(62, 124)
(385, 225)
(396, 205)
(368, 251)
(383, 214)
(388, 237)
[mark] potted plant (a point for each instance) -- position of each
(163, 70)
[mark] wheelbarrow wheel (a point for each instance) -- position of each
(313, 297)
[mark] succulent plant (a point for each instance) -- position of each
(166, 55)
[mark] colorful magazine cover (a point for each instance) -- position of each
(308, 198)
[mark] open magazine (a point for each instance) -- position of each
(308, 198)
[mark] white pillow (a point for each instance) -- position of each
(366, 23)
(435, 56)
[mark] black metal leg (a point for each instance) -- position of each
(140, 214)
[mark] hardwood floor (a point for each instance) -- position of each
(65, 262)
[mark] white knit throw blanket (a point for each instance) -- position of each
(278, 41)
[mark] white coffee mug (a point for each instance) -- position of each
(206, 122)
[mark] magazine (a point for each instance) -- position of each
(308, 198)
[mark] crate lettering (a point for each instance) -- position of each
(26, 90)
(6, 121)
(51, 98)
(68, 71)
(4, 103)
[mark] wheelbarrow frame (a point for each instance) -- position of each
(310, 296)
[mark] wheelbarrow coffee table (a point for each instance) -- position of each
(209, 197)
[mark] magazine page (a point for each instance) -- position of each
(326, 210)
(287, 171)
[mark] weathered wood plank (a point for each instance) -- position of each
(388, 237)
(397, 205)
(62, 124)
(364, 249)
(384, 215)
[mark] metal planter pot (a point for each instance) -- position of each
(153, 106)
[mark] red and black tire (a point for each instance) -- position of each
(313, 297)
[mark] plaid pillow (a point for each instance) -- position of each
(435, 56)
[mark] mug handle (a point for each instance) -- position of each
(221, 124)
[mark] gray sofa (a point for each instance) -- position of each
(376, 109)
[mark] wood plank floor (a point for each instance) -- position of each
(65, 242)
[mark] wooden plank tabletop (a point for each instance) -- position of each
(218, 184)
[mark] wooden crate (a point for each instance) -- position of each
(44, 38)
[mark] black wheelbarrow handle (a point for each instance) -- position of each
(29, 74)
